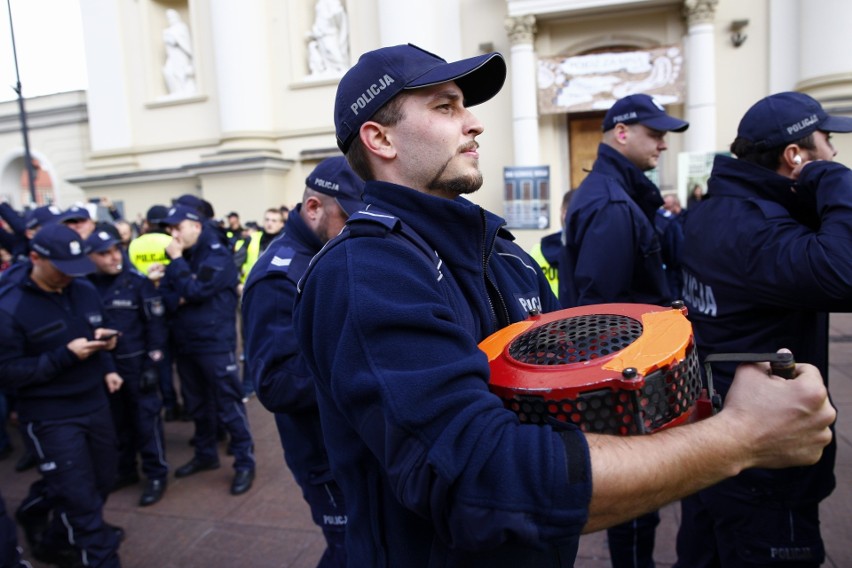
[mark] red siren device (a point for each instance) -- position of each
(609, 368)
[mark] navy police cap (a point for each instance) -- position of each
(383, 73)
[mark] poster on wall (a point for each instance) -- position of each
(594, 82)
(526, 197)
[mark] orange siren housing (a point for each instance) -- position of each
(608, 368)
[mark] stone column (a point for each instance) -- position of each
(242, 62)
(524, 79)
(435, 26)
(700, 76)
(107, 94)
(825, 71)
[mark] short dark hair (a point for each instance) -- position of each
(769, 158)
(388, 115)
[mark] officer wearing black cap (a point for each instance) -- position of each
(435, 469)
(612, 251)
(200, 291)
(133, 306)
(283, 383)
(53, 350)
(766, 256)
(34, 220)
(16, 241)
(78, 218)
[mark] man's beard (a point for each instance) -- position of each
(459, 185)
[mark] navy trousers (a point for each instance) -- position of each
(212, 389)
(720, 530)
(323, 495)
(138, 423)
(77, 460)
(631, 544)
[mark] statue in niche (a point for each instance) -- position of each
(328, 40)
(178, 69)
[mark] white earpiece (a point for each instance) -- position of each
(797, 159)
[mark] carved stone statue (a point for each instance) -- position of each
(178, 69)
(328, 40)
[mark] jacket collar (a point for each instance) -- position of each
(633, 180)
(446, 224)
(298, 231)
(738, 178)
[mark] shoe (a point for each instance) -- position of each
(27, 461)
(153, 492)
(6, 452)
(117, 531)
(33, 526)
(63, 557)
(243, 479)
(125, 480)
(194, 466)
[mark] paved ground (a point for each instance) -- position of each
(199, 524)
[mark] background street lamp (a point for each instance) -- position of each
(23, 114)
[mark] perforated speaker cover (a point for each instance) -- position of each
(610, 368)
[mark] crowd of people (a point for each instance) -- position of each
(361, 312)
(89, 381)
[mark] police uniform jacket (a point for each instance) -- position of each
(133, 306)
(15, 242)
(35, 328)
(762, 267)
(436, 472)
(612, 252)
(280, 375)
(205, 278)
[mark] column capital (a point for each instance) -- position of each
(521, 29)
(699, 11)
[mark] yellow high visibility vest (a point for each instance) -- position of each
(549, 271)
(148, 249)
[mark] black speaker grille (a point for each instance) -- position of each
(575, 339)
(667, 394)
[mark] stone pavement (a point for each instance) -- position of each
(199, 524)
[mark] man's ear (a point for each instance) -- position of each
(312, 205)
(621, 131)
(374, 137)
(792, 156)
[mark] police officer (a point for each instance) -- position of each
(435, 470)
(147, 252)
(780, 217)
(53, 351)
(200, 291)
(133, 306)
(613, 253)
(283, 383)
(78, 218)
(149, 248)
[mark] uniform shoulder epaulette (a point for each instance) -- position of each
(372, 222)
(770, 209)
(280, 260)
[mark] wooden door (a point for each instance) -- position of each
(584, 135)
